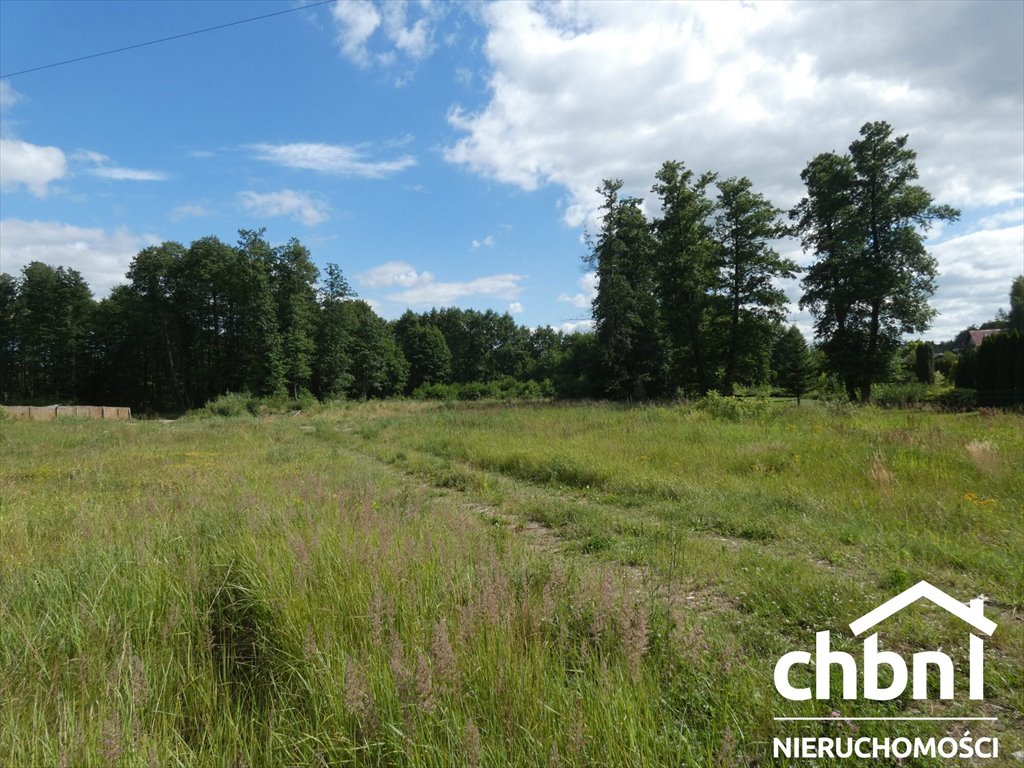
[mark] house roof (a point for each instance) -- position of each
(973, 612)
(979, 336)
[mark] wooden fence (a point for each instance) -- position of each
(50, 412)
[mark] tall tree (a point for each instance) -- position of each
(332, 367)
(688, 261)
(626, 314)
(745, 224)
(8, 339)
(1016, 316)
(924, 363)
(379, 369)
(293, 279)
(791, 363)
(430, 361)
(153, 273)
(52, 313)
(874, 272)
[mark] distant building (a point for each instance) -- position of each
(979, 336)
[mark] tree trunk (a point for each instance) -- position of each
(851, 389)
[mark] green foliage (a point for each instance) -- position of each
(505, 389)
(792, 364)
(954, 399)
(745, 223)
(688, 262)
(902, 395)
(924, 363)
(430, 360)
(864, 221)
(1015, 318)
(626, 312)
(1000, 369)
(734, 408)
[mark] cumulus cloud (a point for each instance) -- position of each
(334, 159)
(584, 299)
(576, 326)
(356, 21)
(585, 91)
(101, 256)
(394, 273)
(386, 34)
(30, 165)
(975, 272)
(487, 242)
(515, 308)
(423, 289)
(297, 205)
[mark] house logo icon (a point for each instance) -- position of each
(825, 659)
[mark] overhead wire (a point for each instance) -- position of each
(166, 39)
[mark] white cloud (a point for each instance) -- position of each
(503, 286)
(585, 91)
(30, 165)
(515, 308)
(356, 21)
(487, 242)
(1001, 219)
(115, 173)
(975, 272)
(576, 326)
(422, 289)
(189, 211)
(298, 205)
(336, 159)
(8, 96)
(394, 273)
(582, 300)
(104, 169)
(383, 34)
(101, 256)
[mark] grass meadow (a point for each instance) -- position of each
(422, 584)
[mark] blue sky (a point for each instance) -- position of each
(448, 153)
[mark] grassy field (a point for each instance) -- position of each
(418, 584)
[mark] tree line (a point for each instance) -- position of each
(687, 303)
(193, 323)
(691, 301)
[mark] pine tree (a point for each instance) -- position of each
(625, 309)
(688, 261)
(791, 363)
(745, 223)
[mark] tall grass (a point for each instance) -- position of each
(341, 588)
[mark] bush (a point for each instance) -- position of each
(956, 399)
(912, 393)
(506, 388)
(734, 408)
(232, 404)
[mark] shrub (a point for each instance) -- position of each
(955, 399)
(734, 408)
(232, 404)
(905, 395)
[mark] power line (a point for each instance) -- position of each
(166, 39)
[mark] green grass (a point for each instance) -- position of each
(422, 584)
